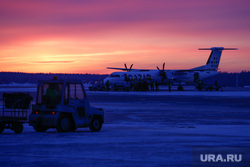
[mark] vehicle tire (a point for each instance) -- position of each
(1, 127)
(18, 128)
(95, 125)
(40, 129)
(64, 124)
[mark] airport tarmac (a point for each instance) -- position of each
(141, 129)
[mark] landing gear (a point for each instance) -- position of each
(180, 88)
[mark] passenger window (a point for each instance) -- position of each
(76, 91)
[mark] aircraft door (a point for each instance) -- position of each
(126, 77)
(196, 77)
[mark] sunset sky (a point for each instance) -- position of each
(86, 36)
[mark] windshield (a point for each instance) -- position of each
(50, 93)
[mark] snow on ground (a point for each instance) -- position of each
(18, 87)
(116, 145)
(14, 84)
(141, 129)
(183, 93)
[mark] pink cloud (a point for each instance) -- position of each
(159, 30)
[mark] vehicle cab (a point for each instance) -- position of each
(63, 104)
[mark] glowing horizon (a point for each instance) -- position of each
(88, 36)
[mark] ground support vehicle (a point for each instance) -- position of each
(208, 87)
(97, 86)
(14, 111)
(63, 104)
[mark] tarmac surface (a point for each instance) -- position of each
(141, 129)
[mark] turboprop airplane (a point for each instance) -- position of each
(162, 76)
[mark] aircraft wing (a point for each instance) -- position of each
(190, 70)
(125, 69)
(113, 68)
(201, 68)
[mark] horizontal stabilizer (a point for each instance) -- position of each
(214, 58)
(218, 48)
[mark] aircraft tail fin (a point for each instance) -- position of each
(214, 58)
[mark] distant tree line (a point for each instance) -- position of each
(223, 78)
(8, 77)
(230, 79)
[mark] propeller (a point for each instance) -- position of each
(128, 70)
(162, 72)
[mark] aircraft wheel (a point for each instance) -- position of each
(18, 128)
(64, 124)
(95, 125)
(180, 88)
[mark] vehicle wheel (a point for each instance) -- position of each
(18, 128)
(95, 125)
(1, 127)
(64, 124)
(40, 129)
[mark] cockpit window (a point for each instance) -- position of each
(114, 75)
